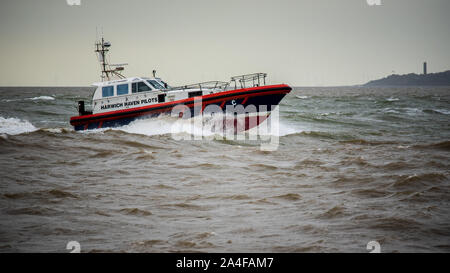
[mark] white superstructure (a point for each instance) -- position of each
(142, 91)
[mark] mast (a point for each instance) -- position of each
(108, 70)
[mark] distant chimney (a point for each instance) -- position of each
(425, 68)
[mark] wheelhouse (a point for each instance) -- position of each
(128, 86)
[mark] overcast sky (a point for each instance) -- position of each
(299, 42)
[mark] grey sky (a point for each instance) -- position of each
(302, 43)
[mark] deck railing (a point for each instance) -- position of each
(203, 85)
(244, 81)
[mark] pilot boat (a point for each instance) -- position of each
(118, 100)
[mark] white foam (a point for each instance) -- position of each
(53, 130)
(203, 128)
(391, 111)
(392, 99)
(412, 111)
(150, 126)
(94, 131)
(15, 126)
(442, 111)
(57, 130)
(42, 98)
(301, 97)
(276, 128)
(285, 129)
(34, 98)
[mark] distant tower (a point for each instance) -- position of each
(425, 68)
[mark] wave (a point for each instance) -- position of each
(289, 196)
(390, 111)
(262, 166)
(301, 97)
(314, 134)
(61, 194)
(444, 145)
(327, 135)
(15, 126)
(367, 142)
(398, 165)
(135, 211)
(35, 210)
(164, 125)
(186, 206)
(437, 111)
(57, 130)
(411, 111)
(33, 99)
(308, 163)
(42, 98)
(417, 181)
(238, 197)
(204, 127)
(395, 223)
(369, 193)
(392, 99)
(148, 243)
(54, 193)
(287, 129)
(153, 126)
(25, 127)
(334, 212)
(167, 125)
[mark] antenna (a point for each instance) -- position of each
(108, 70)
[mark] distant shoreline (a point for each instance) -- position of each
(412, 79)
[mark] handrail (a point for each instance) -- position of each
(201, 85)
(249, 76)
(254, 77)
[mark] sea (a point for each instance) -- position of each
(354, 167)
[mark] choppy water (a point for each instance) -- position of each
(353, 165)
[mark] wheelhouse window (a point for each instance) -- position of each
(108, 91)
(155, 84)
(165, 84)
(140, 87)
(122, 89)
